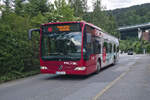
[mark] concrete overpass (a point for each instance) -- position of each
(133, 30)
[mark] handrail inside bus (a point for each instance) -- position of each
(30, 33)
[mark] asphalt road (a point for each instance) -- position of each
(129, 79)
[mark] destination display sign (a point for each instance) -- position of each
(73, 27)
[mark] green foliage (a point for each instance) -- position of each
(34, 7)
(79, 6)
(136, 45)
(18, 7)
(38, 20)
(20, 57)
(63, 12)
(101, 19)
(14, 49)
(132, 15)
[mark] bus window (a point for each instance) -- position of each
(88, 37)
(97, 46)
(91, 42)
(88, 40)
(106, 46)
(114, 48)
(110, 48)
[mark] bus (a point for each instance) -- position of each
(75, 48)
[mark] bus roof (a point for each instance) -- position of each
(64, 22)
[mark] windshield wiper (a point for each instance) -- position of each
(56, 53)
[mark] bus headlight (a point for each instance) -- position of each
(43, 67)
(80, 68)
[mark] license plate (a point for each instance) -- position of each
(61, 73)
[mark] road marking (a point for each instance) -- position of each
(112, 83)
(109, 86)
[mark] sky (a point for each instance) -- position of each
(114, 4)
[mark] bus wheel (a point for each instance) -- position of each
(114, 62)
(98, 67)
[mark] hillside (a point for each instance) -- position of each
(132, 15)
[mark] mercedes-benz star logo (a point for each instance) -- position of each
(60, 67)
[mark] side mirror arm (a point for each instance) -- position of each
(30, 33)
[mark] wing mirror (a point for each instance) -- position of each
(30, 33)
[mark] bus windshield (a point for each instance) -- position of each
(61, 44)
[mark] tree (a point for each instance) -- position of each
(34, 7)
(18, 7)
(79, 6)
(103, 20)
(98, 15)
(18, 56)
(61, 12)
(7, 7)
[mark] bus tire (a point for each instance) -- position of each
(114, 62)
(98, 67)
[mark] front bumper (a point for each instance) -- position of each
(64, 72)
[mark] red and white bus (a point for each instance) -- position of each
(77, 48)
